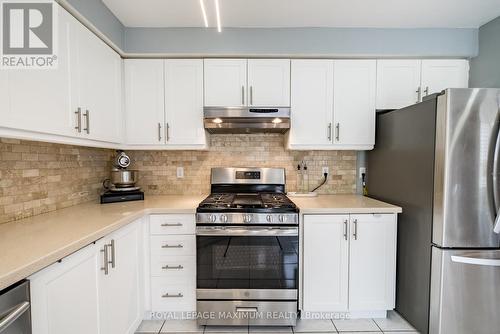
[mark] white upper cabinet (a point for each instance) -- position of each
(326, 263)
(97, 86)
(398, 83)
(184, 102)
(269, 82)
(144, 101)
(311, 103)
(225, 82)
(354, 96)
(372, 277)
(439, 74)
(39, 100)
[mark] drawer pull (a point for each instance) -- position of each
(168, 295)
(172, 246)
(167, 267)
(171, 224)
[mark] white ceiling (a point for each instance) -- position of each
(308, 13)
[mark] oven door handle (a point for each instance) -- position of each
(12, 316)
(250, 231)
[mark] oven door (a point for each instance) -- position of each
(247, 262)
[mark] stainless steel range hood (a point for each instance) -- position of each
(246, 119)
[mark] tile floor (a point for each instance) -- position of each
(393, 324)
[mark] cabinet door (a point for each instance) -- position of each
(64, 296)
(184, 102)
(269, 82)
(372, 268)
(439, 74)
(39, 100)
(120, 298)
(225, 82)
(398, 83)
(97, 86)
(354, 88)
(144, 99)
(311, 103)
(325, 263)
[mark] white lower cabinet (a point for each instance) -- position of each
(349, 263)
(78, 295)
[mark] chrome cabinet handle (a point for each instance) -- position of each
(172, 246)
(337, 132)
(167, 267)
(251, 95)
(243, 95)
(345, 229)
(113, 258)
(419, 93)
(106, 262)
(14, 314)
(171, 224)
(168, 132)
(78, 114)
(329, 131)
(159, 131)
(355, 233)
(247, 309)
(87, 121)
(168, 295)
(426, 90)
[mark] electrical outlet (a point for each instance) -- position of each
(180, 172)
(362, 170)
(325, 170)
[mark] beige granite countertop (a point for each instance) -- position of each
(31, 244)
(342, 204)
(28, 245)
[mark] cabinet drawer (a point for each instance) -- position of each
(172, 297)
(173, 245)
(175, 268)
(172, 224)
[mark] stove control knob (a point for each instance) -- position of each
(247, 218)
(212, 218)
(282, 218)
(269, 218)
(223, 218)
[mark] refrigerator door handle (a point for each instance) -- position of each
(481, 261)
(496, 196)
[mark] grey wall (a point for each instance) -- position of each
(101, 17)
(303, 41)
(485, 68)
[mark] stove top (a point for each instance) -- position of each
(247, 202)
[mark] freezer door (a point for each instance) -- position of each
(465, 183)
(464, 292)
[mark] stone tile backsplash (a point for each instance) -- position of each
(157, 169)
(38, 177)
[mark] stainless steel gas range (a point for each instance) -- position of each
(247, 249)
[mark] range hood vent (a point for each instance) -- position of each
(246, 119)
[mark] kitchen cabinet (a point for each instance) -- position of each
(439, 74)
(225, 82)
(39, 100)
(354, 97)
(144, 101)
(311, 103)
(326, 251)
(333, 104)
(98, 289)
(184, 102)
(401, 83)
(65, 295)
(269, 82)
(96, 87)
(349, 263)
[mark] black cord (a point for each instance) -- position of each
(322, 183)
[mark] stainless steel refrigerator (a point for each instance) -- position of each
(438, 160)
